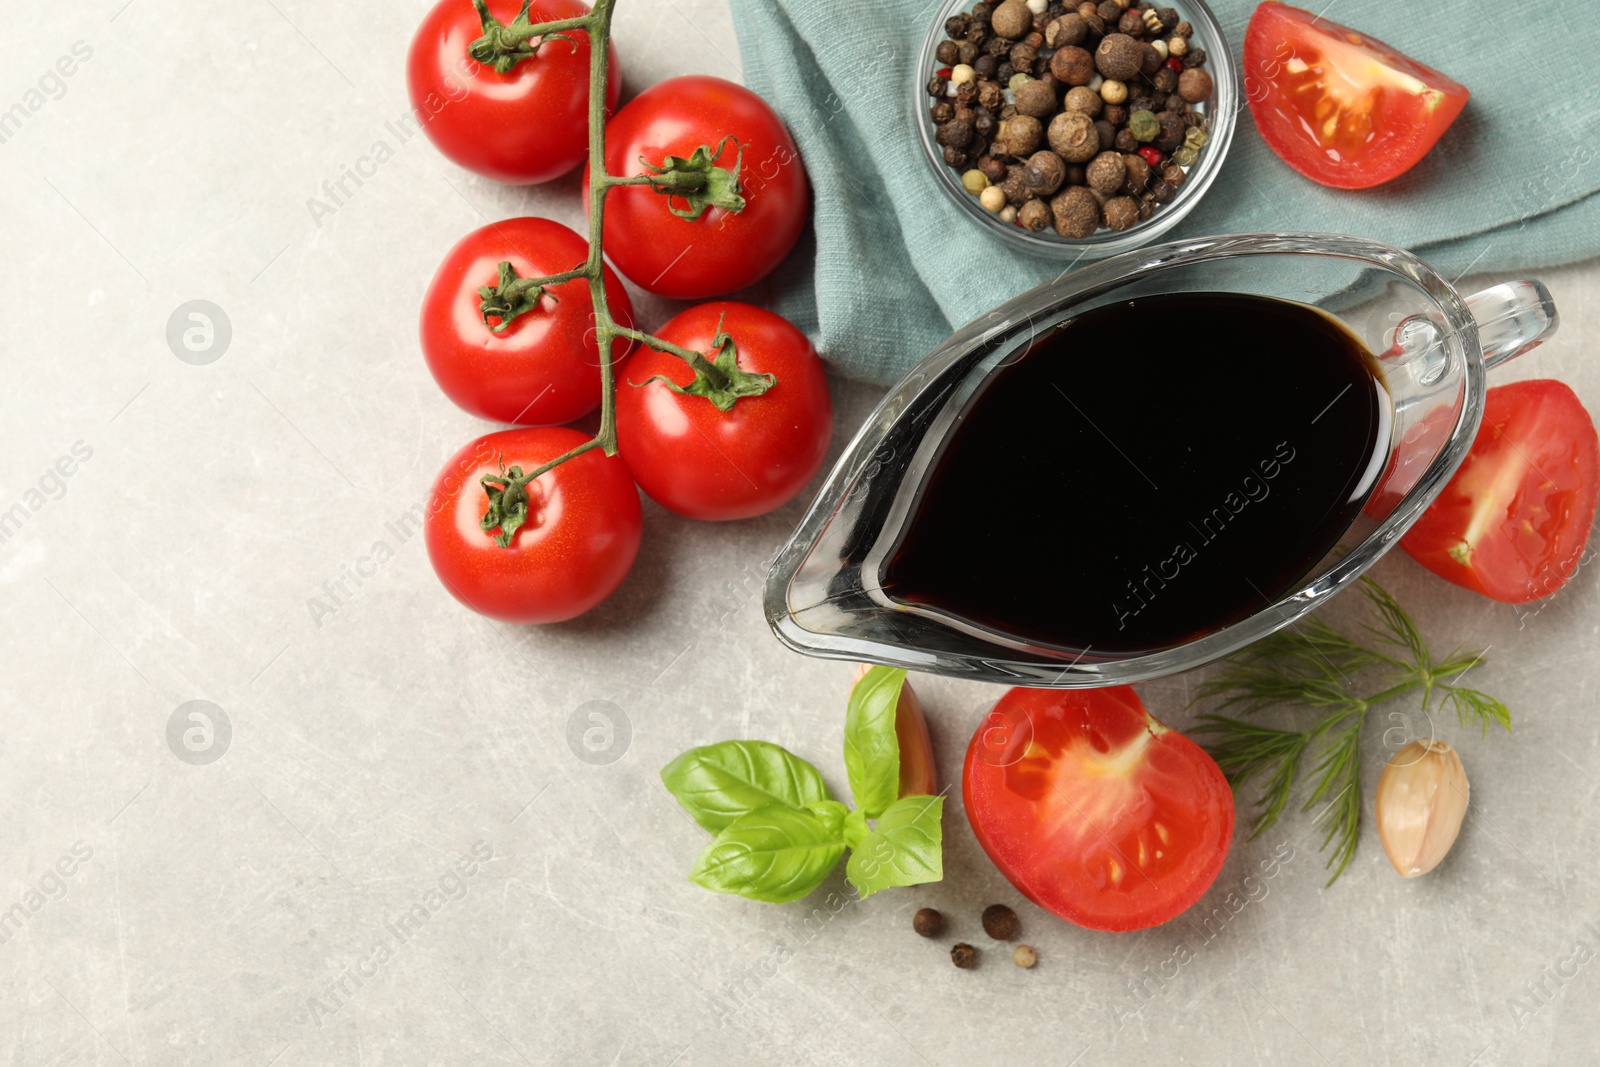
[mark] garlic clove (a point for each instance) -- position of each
(1422, 798)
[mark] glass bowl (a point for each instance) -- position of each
(1220, 112)
(824, 595)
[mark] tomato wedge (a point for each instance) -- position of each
(1340, 107)
(1513, 522)
(1093, 809)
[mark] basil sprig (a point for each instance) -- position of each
(778, 831)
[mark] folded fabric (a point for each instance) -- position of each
(894, 268)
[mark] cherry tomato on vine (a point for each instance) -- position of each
(1093, 809)
(543, 367)
(1342, 108)
(721, 250)
(1513, 521)
(706, 463)
(527, 125)
(578, 541)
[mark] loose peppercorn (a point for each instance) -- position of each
(1037, 99)
(942, 112)
(1004, 72)
(1021, 135)
(1044, 173)
(1144, 126)
(1183, 30)
(1121, 213)
(1106, 173)
(1141, 101)
(994, 170)
(956, 25)
(998, 47)
(1131, 23)
(986, 65)
(1177, 47)
(984, 122)
(1072, 65)
(977, 33)
(966, 92)
(927, 921)
(990, 95)
(936, 86)
(1016, 190)
(963, 955)
(1034, 216)
(955, 157)
(1076, 212)
(1152, 156)
(948, 53)
(1088, 9)
(1164, 191)
(1195, 58)
(993, 198)
(981, 12)
(1176, 104)
(1147, 207)
(1113, 91)
(1173, 175)
(1118, 56)
(1115, 114)
(1164, 81)
(1066, 30)
(1035, 39)
(1107, 132)
(1097, 26)
(1161, 48)
(1075, 174)
(967, 52)
(1109, 10)
(1072, 136)
(1126, 141)
(1194, 86)
(1000, 922)
(1023, 56)
(1024, 956)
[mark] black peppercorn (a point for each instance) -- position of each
(1107, 132)
(994, 170)
(1172, 132)
(955, 157)
(985, 66)
(942, 112)
(1096, 24)
(1141, 100)
(1176, 105)
(983, 121)
(1023, 55)
(936, 86)
(968, 52)
(966, 94)
(1150, 60)
(1147, 207)
(1173, 174)
(963, 955)
(1131, 23)
(1163, 191)
(999, 921)
(1055, 11)
(981, 13)
(1168, 17)
(1195, 58)
(1116, 114)
(947, 53)
(957, 133)
(1004, 73)
(1164, 81)
(1109, 10)
(928, 922)
(977, 34)
(998, 47)
(991, 95)
(956, 25)
(1034, 40)
(1126, 141)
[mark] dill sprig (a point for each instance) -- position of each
(1315, 667)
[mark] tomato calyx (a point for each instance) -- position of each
(505, 44)
(508, 503)
(720, 379)
(511, 296)
(698, 180)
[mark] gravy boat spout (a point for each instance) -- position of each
(826, 594)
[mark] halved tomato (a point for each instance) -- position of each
(1342, 108)
(1513, 522)
(1095, 810)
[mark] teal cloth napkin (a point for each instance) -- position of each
(895, 268)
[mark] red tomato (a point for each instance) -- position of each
(542, 369)
(577, 545)
(709, 464)
(1513, 522)
(1342, 108)
(528, 125)
(1093, 809)
(721, 250)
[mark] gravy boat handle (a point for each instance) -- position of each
(1513, 318)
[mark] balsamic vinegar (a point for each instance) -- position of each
(1147, 472)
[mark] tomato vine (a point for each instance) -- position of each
(697, 179)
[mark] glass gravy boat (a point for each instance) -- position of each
(824, 595)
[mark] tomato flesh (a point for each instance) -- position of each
(1513, 522)
(1095, 810)
(1342, 108)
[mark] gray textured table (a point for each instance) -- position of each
(398, 857)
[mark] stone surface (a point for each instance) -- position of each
(246, 900)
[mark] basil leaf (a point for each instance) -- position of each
(905, 848)
(834, 816)
(871, 750)
(776, 854)
(718, 783)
